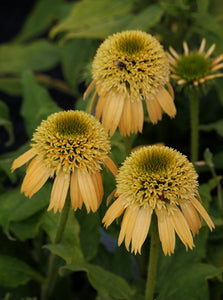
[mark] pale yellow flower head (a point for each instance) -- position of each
(129, 67)
(160, 179)
(72, 145)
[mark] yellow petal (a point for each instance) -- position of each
(166, 102)
(89, 89)
(186, 49)
(166, 231)
(97, 181)
(141, 229)
(87, 191)
(202, 46)
(154, 110)
(202, 212)
(75, 194)
(210, 51)
(191, 217)
(112, 111)
(127, 226)
(100, 105)
(111, 166)
(22, 159)
(125, 123)
(59, 191)
(181, 227)
(137, 116)
(114, 211)
(36, 175)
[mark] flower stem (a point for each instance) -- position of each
(128, 144)
(153, 258)
(48, 285)
(194, 115)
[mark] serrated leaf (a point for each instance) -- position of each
(37, 56)
(87, 14)
(14, 272)
(6, 122)
(217, 126)
(104, 282)
(37, 104)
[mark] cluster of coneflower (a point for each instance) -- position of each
(129, 67)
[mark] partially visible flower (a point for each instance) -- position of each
(72, 145)
(157, 179)
(195, 67)
(129, 67)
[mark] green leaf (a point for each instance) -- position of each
(106, 283)
(14, 272)
(37, 56)
(98, 15)
(5, 121)
(146, 18)
(14, 206)
(28, 228)
(11, 86)
(40, 19)
(69, 249)
(89, 233)
(37, 104)
(217, 126)
(185, 281)
(74, 60)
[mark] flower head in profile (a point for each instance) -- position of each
(72, 145)
(129, 67)
(157, 179)
(193, 68)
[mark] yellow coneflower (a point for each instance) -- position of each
(128, 67)
(72, 145)
(195, 67)
(160, 179)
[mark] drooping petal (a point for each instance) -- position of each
(36, 175)
(89, 89)
(87, 191)
(181, 227)
(111, 166)
(59, 191)
(100, 105)
(154, 110)
(97, 181)
(166, 102)
(202, 212)
(112, 111)
(137, 116)
(75, 194)
(22, 159)
(191, 217)
(127, 226)
(166, 231)
(125, 123)
(141, 229)
(114, 211)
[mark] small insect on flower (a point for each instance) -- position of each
(130, 67)
(119, 64)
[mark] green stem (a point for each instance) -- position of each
(219, 193)
(52, 268)
(128, 145)
(153, 258)
(194, 115)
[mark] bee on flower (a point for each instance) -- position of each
(129, 67)
(71, 145)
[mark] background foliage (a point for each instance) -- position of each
(45, 68)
